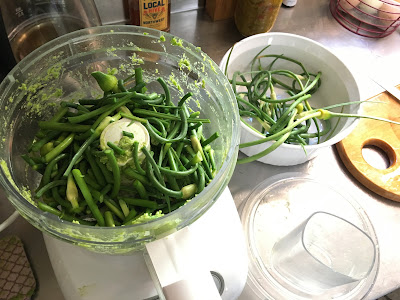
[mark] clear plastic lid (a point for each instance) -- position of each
(273, 209)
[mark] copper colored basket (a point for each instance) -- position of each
(375, 19)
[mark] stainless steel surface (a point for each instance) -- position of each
(310, 18)
(113, 12)
(185, 5)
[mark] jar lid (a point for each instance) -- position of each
(274, 208)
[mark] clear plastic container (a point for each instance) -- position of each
(60, 70)
(322, 253)
(274, 209)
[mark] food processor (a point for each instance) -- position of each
(195, 252)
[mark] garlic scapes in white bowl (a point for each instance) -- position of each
(288, 89)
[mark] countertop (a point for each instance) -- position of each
(312, 19)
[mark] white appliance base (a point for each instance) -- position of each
(84, 275)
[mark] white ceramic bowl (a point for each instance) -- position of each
(338, 86)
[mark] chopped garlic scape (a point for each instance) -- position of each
(114, 132)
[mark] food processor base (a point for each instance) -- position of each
(85, 275)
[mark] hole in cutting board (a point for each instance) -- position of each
(378, 154)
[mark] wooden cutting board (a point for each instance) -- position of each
(379, 134)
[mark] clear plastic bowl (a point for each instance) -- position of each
(338, 85)
(278, 205)
(60, 70)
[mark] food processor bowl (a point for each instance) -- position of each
(60, 71)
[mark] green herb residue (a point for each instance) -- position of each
(136, 60)
(177, 42)
(26, 194)
(184, 62)
(175, 83)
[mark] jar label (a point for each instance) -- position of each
(154, 14)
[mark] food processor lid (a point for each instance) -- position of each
(273, 209)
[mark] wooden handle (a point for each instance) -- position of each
(383, 135)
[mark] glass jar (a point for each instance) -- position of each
(256, 16)
(150, 13)
(30, 24)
